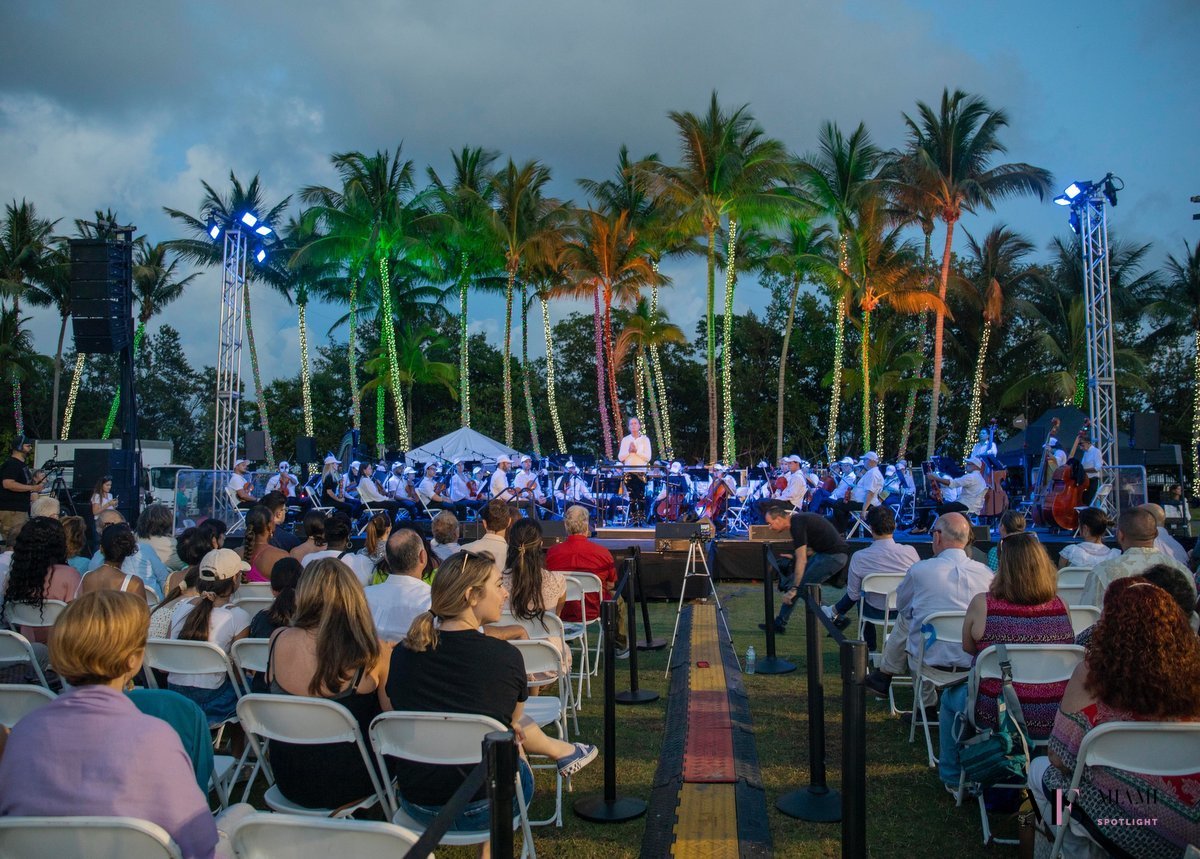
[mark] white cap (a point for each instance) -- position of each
(1053, 442)
(870, 456)
(793, 458)
(430, 465)
(409, 470)
(396, 465)
(676, 467)
(717, 466)
(221, 564)
(526, 458)
(570, 464)
(845, 460)
(355, 463)
(503, 459)
(901, 463)
(891, 469)
(283, 466)
(477, 469)
(238, 462)
(331, 459)
(976, 461)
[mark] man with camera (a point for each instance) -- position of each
(18, 485)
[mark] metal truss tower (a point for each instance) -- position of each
(229, 361)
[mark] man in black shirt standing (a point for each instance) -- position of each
(17, 487)
(820, 554)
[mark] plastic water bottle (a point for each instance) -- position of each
(751, 659)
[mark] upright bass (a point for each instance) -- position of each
(1036, 489)
(1066, 489)
(996, 500)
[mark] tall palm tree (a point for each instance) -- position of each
(895, 359)
(462, 205)
(17, 358)
(644, 327)
(837, 177)
(1181, 303)
(1001, 272)
(200, 249)
(952, 149)
(414, 344)
(550, 278)
(53, 289)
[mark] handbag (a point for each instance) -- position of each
(999, 755)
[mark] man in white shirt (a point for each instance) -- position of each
(496, 517)
(461, 497)
(971, 489)
(397, 601)
(863, 496)
(427, 489)
(1056, 457)
(1136, 535)
(240, 485)
(283, 481)
(573, 489)
(635, 447)
(393, 485)
(947, 582)
(498, 487)
(528, 489)
(985, 446)
(793, 493)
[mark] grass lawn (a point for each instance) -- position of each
(907, 808)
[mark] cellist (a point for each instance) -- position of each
(972, 489)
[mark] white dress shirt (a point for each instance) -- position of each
(972, 488)
(796, 489)
(426, 489)
(459, 491)
(273, 485)
(571, 487)
(362, 566)
(368, 491)
(983, 448)
(499, 484)
(884, 555)
(1091, 460)
(635, 451)
(870, 482)
(394, 486)
(396, 603)
(527, 479)
(946, 583)
(495, 545)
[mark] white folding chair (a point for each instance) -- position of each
(1146, 748)
(189, 657)
(250, 655)
(1073, 576)
(735, 513)
(269, 836)
(1031, 664)
(859, 523)
(307, 722)
(590, 583)
(543, 659)
(882, 585)
(549, 629)
(947, 628)
(252, 590)
(19, 699)
(253, 605)
(239, 514)
(575, 634)
(1083, 616)
(15, 649)
(1072, 595)
(54, 837)
(441, 739)
(23, 614)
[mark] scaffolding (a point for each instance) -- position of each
(229, 362)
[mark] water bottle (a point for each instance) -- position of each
(751, 659)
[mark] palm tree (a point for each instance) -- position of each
(414, 344)
(462, 206)
(952, 151)
(644, 327)
(53, 289)
(837, 178)
(1001, 273)
(17, 358)
(895, 360)
(200, 249)
(550, 278)
(1181, 303)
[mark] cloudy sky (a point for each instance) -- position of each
(130, 105)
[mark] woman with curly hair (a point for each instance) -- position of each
(117, 544)
(1143, 664)
(39, 571)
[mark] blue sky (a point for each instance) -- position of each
(130, 105)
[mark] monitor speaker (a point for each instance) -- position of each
(256, 445)
(306, 449)
(1144, 432)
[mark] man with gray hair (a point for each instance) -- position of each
(578, 554)
(1137, 533)
(397, 601)
(45, 505)
(1164, 542)
(946, 582)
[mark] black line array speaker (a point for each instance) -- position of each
(101, 294)
(92, 464)
(1144, 432)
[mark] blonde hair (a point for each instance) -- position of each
(74, 528)
(1026, 575)
(450, 596)
(330, 600)
(96, 635)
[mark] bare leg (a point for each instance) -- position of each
(537, 742)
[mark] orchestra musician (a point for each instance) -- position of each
(283, 481)
(972, 489)
(1092, 463)
(393, 484)
(528, 491)
(721, 473)
(464, 490)
(985, 446)
(863, 495)
(370, 492)
(427, 489)
(791, 489)
(635, 456)
(332, 493)
(573, 489)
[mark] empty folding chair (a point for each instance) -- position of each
(54, 837)
(269, 836)
(882, 585)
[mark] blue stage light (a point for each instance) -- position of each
(249, 219)
(1062, 200)
(214, 229)
(259, 254)
(1073, 191)
(1073, 220)
(263, 230)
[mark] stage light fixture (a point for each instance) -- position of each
(1062, 200)
(1075, 189)
(249, 219)
(263, 230)
(1073, 220)
(214, 229)
(1112, 184)
(260, 254)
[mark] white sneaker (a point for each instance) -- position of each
(827, 610)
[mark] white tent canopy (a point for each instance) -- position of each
(464, 443)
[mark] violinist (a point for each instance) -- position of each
(971, 489)
(464, 490)
(332, 494)
(283, 481)
(790, 489)
(393, 484)
(529, 493)
(863, 496)
(430, 490)
(370, 492)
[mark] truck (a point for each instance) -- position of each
(158, 471)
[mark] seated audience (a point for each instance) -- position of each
(1170, 580)
(1090, 550)
(314, 535)
(445, 665)
(257, 550)
(45, 505)
(337, 545)
(1136, 533)
(209, 617)
(285, 578)
(156, 531)
(76, 533)
(281, 537)
(216, 530)
(578, 554)
(1164, 542)
(187, 720)
(1143, 663)
(396, 601)
(331, 651)
(39, 571)
(54, 758)
(497, 515)
(378, 528)
(1021, 606)
(445, 535)
(884, 555)
(532, 589)
(144, 564)
(1011, 522)
(117, 546)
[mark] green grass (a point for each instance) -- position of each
(907, 809)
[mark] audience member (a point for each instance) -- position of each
(102, 497)
(210, 617)
(578, 554)
(117, 547)
(819, 555)
(1143, 663)
(1011, 522)
(1164, 542)
(337, 545)
(946, 582)
(45, 505)
(90, 751)
(75, 530)
(281, 537)
(496, 515)
(445, 665)
(396, 601)
(216, 530)
(144, 565)
(378, 528)
(314, 535)
(884, 555)
(1091, 549)
(1021, 606)
(330, 651)
(156, 532)
(257, 550)
(1136, 533)
(39, 572)
(1170, 580)
(285, 578)
(445, 535)
(532, 589)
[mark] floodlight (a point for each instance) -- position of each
(259, 254)
(214, 229)
(1073, 191)
(249, 219)
(1073, 220)
(1062, 200)
(263, 230)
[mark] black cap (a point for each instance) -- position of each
(20, 441)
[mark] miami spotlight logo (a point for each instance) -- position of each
(1130, 800)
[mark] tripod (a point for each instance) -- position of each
(58, 489)
(695, 560)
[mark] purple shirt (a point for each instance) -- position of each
(91, 751)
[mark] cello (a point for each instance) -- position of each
(1040, 516)
(712, 505)
(1066, 489)
(996, 500)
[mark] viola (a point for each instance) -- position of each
(781, 483)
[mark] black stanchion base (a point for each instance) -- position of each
(812, 805)
(641, 696)
(773, 665)
(652, 644)
(595, 809)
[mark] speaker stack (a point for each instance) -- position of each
(101, 294)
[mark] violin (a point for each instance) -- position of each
(472, 489)
(935, 488)
(781, 483)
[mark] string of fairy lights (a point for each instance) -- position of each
(464, 358)
(656, 368)
(975, 415)
(305, 375)
(551, 395)
(389, 338)
(727, 344)
(839, 353)
(73, 395)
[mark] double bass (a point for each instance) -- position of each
(1040, 516)
(1066, 489)
(996, 500)
(712, 505)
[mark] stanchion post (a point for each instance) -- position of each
(501, 754)
(854, 749)
(608, 807)
(633, 695)
(817, 802)
(770, 664)
(650, 642)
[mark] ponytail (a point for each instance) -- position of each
(189, 581)
(258, 531)
(423, 634)
(195, 628)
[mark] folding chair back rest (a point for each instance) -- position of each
(1168, 749)
(268, 836)
(23, 614)
(947, 625)
(1073, 576)
(1083, 616)
(250, 654)
(18, 700)
(253, 605)
(14, 647)
(1031, 663)
(304, 721)
(883, 584)
(126, 837)
(253, 590)
(550, 626)
(186, 657)
(1072, 595)
(540, 656)
(450, 739)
